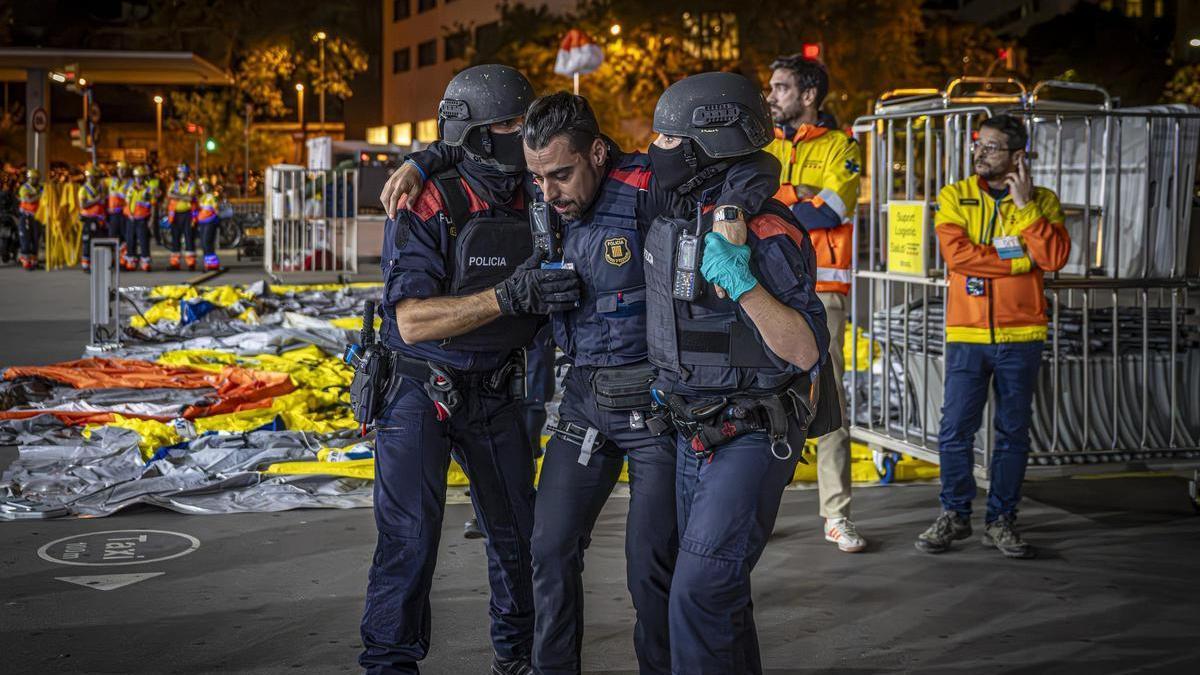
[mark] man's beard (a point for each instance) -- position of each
(989, 173)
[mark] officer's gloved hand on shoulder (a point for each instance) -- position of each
(533, 290)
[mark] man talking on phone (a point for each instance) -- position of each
(998, 234)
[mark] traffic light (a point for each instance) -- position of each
(1009, 56)
(79, 135)
(191, 128)
(811, 51)
(210, 145)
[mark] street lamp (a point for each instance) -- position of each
(300, 117)
(615, 29)
(319, 38)
(1195, 42)
(158, 101)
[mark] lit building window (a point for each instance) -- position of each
(427, 131)
(712, 36)
(402, 133)
(377, 135)
(1133, 8)
(1159, 9)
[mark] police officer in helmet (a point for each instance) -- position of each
(601, 194)
(737, 331)
(462, 298)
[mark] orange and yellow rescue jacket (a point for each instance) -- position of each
(30, 195)
(91, 201)
(208, 208)
(828, 160)
(141, 201)
(1012, 306)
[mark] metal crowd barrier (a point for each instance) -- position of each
(1118, 389)
(311, 221)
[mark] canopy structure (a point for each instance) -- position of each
(114, 67)
(102, 67)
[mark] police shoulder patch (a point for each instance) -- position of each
(616, 251)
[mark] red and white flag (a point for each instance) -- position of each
(577, 54)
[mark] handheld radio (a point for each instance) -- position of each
(546, 227)
(686, 284)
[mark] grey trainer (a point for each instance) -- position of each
(948, 527)
(1001, 535)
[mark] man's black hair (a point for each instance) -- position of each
(561, 113)
(809, 74)
(1011, 127)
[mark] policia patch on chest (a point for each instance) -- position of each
(616, 251)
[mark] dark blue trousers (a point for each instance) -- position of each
(1012, 370)
(570, 496)
(539, 385)
(412, 454)
(27, 234)
(137, 239)
(727, 509)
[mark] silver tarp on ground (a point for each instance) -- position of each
(220, 473)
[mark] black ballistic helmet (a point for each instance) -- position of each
(724, 113)
(479, 96)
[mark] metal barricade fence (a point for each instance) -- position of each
(1124, 337)
(311, 221)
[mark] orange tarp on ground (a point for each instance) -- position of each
(237, 388)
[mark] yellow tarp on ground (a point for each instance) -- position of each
(862, 468)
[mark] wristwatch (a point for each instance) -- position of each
(723, 213)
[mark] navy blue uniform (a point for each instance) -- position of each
(609, 329)
(412, 454)
(727, 506)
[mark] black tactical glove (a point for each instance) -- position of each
(532, 290)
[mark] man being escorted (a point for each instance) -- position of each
(998, 234)
(737, 331)
(462, 298)
(29, 195)
(820, 184)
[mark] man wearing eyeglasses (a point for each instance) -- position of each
(998, 235)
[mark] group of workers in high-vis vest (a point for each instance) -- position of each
(125, 206)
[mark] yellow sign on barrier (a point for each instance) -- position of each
(906, 240)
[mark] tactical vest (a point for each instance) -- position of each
(709, 345)
(484, 251)
(609, 328)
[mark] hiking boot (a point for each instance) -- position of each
(948, 527)
(513, 667)
(841, 531)
(1000, 534)
(174, 263)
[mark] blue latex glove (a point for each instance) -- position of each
(727, 265)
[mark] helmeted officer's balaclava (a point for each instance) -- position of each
(720, 116)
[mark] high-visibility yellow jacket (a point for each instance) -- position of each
(208, 208)
(118, 189)
(141, 201)
(91, 201)
(186, 188)
(30, 195)
(1006, 302)
(828, 160)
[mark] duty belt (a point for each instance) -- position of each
(442, 384)
(713, 422)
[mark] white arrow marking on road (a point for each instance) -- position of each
(107, 582)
